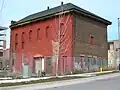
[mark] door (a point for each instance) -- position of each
(26, 71)
(65, 64)
(49, 65)
(38, 66)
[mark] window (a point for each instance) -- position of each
(63, 30)
(0, 65)
(47, 28)
(93, 62)
(30, 34)
(1, 54)
(91, 40)
(16, 38)
(13, 62)
(16, 41)
(22, 45)
(38, 34)
(22, 37)
(16, 44)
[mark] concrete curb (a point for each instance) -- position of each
(85, 75)
(59, 83)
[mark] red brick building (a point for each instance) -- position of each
(67, 29)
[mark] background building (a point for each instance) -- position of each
(2, 46)
(114, 53)
(60, 40)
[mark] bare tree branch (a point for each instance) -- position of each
(68, 46)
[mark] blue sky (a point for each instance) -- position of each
(17, 9)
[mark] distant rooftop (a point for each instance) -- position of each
(3, 28)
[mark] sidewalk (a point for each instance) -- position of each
(55, 84)
(41, 78)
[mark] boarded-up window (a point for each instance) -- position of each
(0, 65)
(13, 62)
(47, 30)
(22, 45)
(16, 38)
(16, 44)
(49, 65)
(16, 41)
(38, 34)
(91, 40)
(1, 53)
(48, 59)
(63, 30)
(22, 38)
(30, 34)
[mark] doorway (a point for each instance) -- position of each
(39, 65)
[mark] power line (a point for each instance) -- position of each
(2, 6)
(1, 9)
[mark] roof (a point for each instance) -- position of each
(3, 28)
(113, 41)
(110, 42)
(51, 12)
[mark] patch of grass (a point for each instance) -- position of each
(49, 80)
(38, 81)
(106, 73)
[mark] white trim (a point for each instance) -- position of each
(82, 55)
(89, 55)
(94, 56)
(42, 64)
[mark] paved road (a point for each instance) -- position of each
(105, 82)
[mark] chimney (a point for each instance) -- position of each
(61, 3)
(13, 22)
(48, 8)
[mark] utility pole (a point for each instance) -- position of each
(118, 42)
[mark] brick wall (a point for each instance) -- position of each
(84, 28)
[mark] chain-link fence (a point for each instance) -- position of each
(89, 64)
(28, 65)
(81, 64)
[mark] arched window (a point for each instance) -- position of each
(22, 39)
(62, 29)
(16, 41)
(91, 40)
(47, 30)
(38, 34)
(16, 38)
(22, 45)
(30, 34)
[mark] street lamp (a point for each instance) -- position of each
(118, 49)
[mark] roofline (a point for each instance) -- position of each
(77, 9)
(38, 19)
(113, 40)
(95, 17)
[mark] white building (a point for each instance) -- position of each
(2, 46)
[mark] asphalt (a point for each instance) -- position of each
(105, 82)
